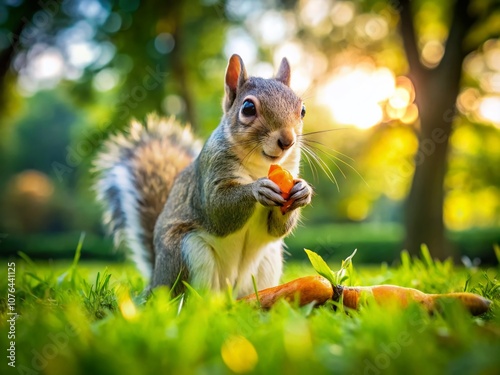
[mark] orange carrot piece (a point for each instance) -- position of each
(319, 289)
(306, 289)
(282, 178)
(476, 304)
(391, 294)
(285, 181)
(384, 295)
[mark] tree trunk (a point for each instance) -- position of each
(424, 206)
(436, 92)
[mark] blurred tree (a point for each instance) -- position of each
(437, 36)
(15, 23)
(118, 59)
(165, 54)
(79, 69)
(436, 90)
(144, 50)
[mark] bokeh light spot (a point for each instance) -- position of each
(239, 354)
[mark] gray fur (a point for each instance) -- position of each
(212, 196)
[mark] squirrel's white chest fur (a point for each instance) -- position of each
(215, 262)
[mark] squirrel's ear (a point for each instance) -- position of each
(283, 74)
(236, 75)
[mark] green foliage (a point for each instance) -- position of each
(72, 271)
(489, 288)
(426, 271)
(336, 278)
(321, 267)
(104, 328)
(99, 298)
(377, 242)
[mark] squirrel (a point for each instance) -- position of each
(209, 216)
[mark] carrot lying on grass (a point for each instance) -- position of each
(319, 290)
(285, 181)
(392, 294)
(306, 289)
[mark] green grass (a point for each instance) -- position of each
(376, 243)
(89, 319)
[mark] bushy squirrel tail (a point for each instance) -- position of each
(136, 171)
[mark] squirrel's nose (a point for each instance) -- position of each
(285, 143)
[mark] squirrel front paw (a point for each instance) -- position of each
(300, 194)
(267, 193)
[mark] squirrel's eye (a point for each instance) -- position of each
(303, 112)
(248, 108)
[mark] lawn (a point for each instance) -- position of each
(86, 318)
